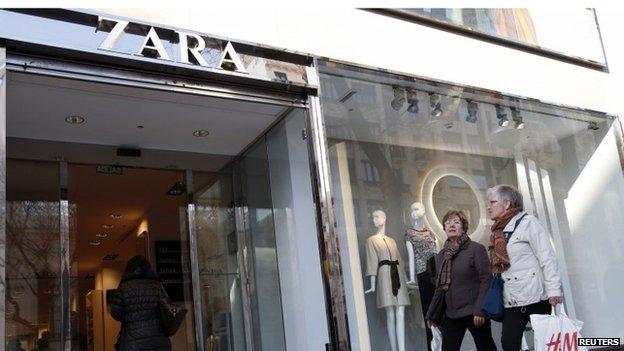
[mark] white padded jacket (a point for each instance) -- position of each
(533, 274)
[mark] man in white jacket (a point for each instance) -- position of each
(526, 261)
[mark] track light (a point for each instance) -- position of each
(503, 120)
(178, 188)
(399, 98)
(592, 125)
(515, 115)
(412, 101)
(472, 109)
(436, 105)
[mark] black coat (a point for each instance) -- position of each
(135, 305)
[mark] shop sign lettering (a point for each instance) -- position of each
(153, 45)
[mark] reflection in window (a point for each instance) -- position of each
(570, 31)
(503, 22)
(371, 174)
(564, 161)
(33, 310)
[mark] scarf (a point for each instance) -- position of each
(449, 251)
(499, 259)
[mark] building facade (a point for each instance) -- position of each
(248, 170)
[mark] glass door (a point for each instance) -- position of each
(33, 313)
(254, 223)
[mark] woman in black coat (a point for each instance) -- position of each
(135, 305)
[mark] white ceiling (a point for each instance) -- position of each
(37, 107)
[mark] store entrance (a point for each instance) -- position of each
(211, 191)
(113, 217)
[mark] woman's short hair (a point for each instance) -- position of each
(505, 192)
(462, 218)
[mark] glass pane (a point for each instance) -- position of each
(33, 308)
(570, 31)
(217, 248)
(396, 141)
(297, 241)
(265, 284)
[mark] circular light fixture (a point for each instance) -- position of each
(101, 235)
(107, 226)
(94, 243)
(480, 231)
(201, 133)
(75, 119)
(115, 215)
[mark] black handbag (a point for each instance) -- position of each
(171, 315)
(437, 308)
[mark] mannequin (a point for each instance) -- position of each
(421, 251)
(384, 261)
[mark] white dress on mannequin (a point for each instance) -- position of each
(380, 247)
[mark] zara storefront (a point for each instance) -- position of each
(248, 176)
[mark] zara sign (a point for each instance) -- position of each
(152, 46)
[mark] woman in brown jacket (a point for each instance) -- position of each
(464, 276)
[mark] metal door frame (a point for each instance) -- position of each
(3, 85)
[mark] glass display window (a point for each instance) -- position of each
(409, 150)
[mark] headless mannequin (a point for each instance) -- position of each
(395, 315)
(422, 281)
(417, 216)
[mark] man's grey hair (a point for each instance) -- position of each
(504, 192)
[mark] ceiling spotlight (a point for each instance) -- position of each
(515, 115)
(75, 119)
(178, 188)
(503, 120)
(592, 125)
(399, 98)
(412, 101)
(94, 243)
(472, 108)
(107, 226)
(101, 235)
(110, 257)
(436, 105)
(115, 215)
(200, 133)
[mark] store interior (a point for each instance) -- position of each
(126, 160)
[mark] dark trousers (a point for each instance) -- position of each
(426, 289)
(515, 320)
(454, 329)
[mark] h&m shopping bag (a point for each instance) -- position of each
(436, 341)
(556, 332)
